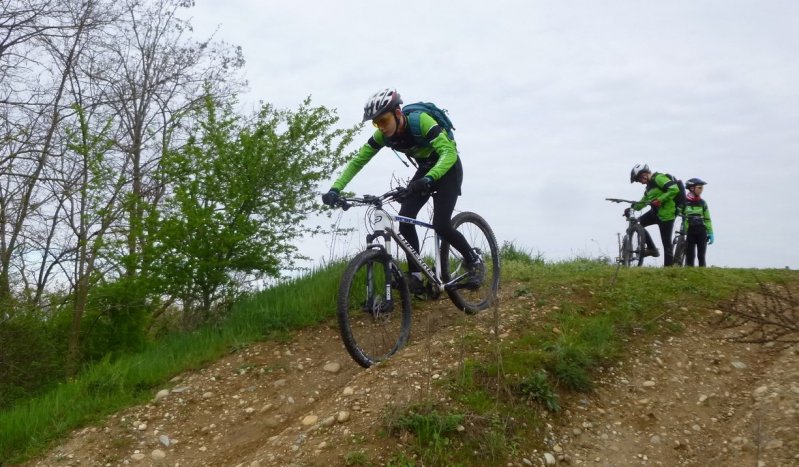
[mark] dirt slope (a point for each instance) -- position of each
(694, 399)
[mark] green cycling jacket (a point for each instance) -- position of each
(697, 208)
(665, 189)
(437, 155)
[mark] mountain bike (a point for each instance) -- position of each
(633, 245)
(678, 244)
(374, 300)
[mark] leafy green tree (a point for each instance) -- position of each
(238, 193)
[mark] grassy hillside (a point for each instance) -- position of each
(586, 313)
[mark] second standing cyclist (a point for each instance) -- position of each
(698, 226)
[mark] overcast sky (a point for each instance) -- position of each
(554, 102)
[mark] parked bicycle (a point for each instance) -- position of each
(678, 244)
(633, 245)
(374, 300)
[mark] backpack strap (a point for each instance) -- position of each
(415, 125)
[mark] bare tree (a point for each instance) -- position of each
(41, 48)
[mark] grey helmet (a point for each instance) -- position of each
(636, 171)
(381, 102)
(692, 182)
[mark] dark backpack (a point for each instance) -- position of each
(679, 200)
(413, 114)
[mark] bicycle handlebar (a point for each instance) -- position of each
(377, 201)
(617, 200)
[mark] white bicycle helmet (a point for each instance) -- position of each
(381, 102)
(637, 170)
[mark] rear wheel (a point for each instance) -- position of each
(679, 250)
(481, 238)
(374, 308)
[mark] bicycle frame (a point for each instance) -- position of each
(383, 223)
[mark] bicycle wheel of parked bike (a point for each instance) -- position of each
(374, 308)
(632, 245)
(679, 250)
(481, 238)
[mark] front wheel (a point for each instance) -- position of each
(633, 247)
(374, 308)
(481, 238)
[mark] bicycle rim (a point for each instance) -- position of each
(481, 238)
(374, 308)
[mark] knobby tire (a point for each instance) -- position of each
(373, 324)
(480, 237)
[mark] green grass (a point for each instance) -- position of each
(582, 321)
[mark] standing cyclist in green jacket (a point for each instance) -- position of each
(698, 227)
(660, 194)
(439, 174)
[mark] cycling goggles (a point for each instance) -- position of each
(382, 120)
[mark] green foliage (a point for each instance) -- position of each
(356, 458)
(510, 252)
(240, 191)
(30, 359)
(538, 389)
(432, 430)
(116, 320)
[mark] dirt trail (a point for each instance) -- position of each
(693, 399)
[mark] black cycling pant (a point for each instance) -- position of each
(695, 239)
(446, 191)
(666, 227)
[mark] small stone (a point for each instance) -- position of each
(649, 384)
(158, 455)
(138, 457)
(332, 367)
(343, 416)
(208, 395)
(655, 439)
(329, 421)
(163, 393)
(272, 422)
(738, 365)
(348, 391)
(310, 420)
(549, 459)
(279, 383)
(760, 391)
(164, 439)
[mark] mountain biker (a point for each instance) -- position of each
(439, 174)
(698, 226)
(660, 193)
